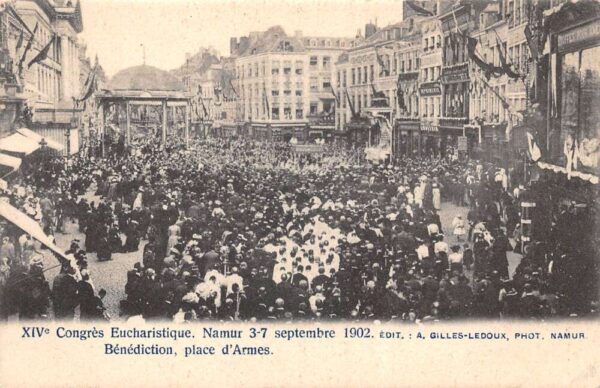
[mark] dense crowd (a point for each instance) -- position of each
(245, 230)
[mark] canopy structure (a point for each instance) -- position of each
(21, 220)
(10, 162)
(18, 144)
(38, 138)
(143, 94)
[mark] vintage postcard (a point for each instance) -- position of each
(299, 193)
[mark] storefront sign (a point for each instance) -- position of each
(430, 89)
(577, 36)
(455, 74)
(462, 143)
(429, 127)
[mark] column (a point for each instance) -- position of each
(101, 126)
(164, 122)
(127, 123)
(187, 125)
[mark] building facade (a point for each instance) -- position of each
(284, 83)
(47, 83)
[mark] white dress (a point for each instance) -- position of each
(459, 226)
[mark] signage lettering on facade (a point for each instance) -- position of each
(455, 74)
(430, 89)
(579, 35)
(428, 127)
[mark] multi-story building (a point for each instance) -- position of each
(50, 83)
(430, 87)
(13, 32)
(284, 83)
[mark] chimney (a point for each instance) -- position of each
(370, 29)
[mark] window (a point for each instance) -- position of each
(358, 80)
(326, 62)
(353, 77)
(287, 70)
(287, 92)
(580, 116)
(326, 83)
(366, 75)
(372, 71)
(314, 108)
(344, 78)
(275, 93)
(287, 113)
(275, 71)
(298, 93)
(299, 71)
(410, 65)
(314, 61)
(314, 84)
(339, 79)
(426, 45)
(275, 113)
(299, 113)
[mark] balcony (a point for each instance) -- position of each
(322, 119)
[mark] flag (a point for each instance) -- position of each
(233, 88)
(571, 151)
(533, 47)
(43, 54)
(418, 9)
(337, 100)
(27, 48)
(505, 66)
(384, 68)
(350, 104)
(400, 94)
(266, 102)
(203, 107)
(91, 88)
(534, 151)
(19, 42)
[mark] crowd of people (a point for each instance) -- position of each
(235, 229)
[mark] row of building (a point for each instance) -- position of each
(452, 75)
(43, 70)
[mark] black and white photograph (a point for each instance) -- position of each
(186, 162)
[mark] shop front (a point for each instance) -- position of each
(574, 125)
(450, 130)
(430, 138)
(406, 137)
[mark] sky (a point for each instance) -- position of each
(115, 30)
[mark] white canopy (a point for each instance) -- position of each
(10, 161)
(19, 144)
(30, 226)
(38, 138)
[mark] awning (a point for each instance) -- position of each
(10, 161)
(18, 144)
(38, 138)
(586, 177)
(20, 219)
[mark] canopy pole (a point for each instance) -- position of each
(187, 126)
(164, 122)
(128, 123)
